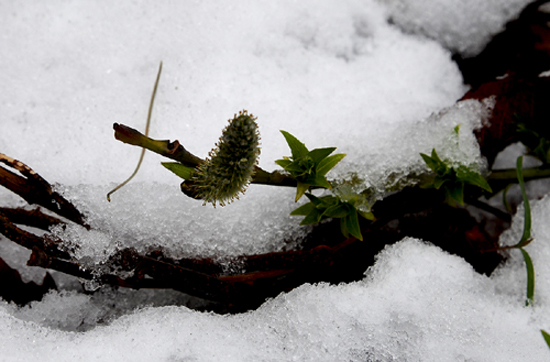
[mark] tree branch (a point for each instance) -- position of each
(35, 190)
(175, 151)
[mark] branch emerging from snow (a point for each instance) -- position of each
(175, 151)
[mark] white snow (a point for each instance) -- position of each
(464, 27)
(332, 74)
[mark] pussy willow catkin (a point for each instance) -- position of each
(230, 165)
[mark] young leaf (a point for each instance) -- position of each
(328, 163)
(429, 162)
(319, 154)
(301, 189)
(284, 163)
(352, 224)
(457, 129)
(313, 217)
(314, 199)
(530, 277)
(367, 215)
(297, 148)
(182, 171)
(435, 157)
(525, 238)
(438, 182)
(336, 211)
(546, 337)
(505, 199)
(303, 210)
(456, 192)
(320, 181)
(473, 178)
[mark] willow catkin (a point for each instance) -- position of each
(230, 165)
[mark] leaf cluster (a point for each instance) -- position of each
(347, 210)
(308, 167)
(452, 179)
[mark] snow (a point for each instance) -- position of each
(416, 304)
(332, 74)
(464, 27)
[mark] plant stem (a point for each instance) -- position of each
(510, 175)
(500, 179)
(168, 149)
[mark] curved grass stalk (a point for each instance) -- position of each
(146, 134)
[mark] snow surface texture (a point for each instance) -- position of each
(417, 304)
(464, 26)
(332, 74)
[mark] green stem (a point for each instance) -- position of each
(172, 150)
(275, 178)
(533, 173)
(500, 179)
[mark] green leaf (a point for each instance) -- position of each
(546, 337)
(301, 189)
(432, 164)
(336, 211)
(300, 167)
(473, 178)
(505, 199)
(303, 210)
(457, 129)
(366, 214)
(343, 228)
(457, 193)
(525, 238)
(315, 200)
(312, 218)
(435, 157)
(320, 181)
(352, 224)
(283, 163)
(530, 277)
(319, 154)
(438, 182)
(182, 171)
(328, 163)
(297, 148)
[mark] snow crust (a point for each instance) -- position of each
(464, 27)
(332, 74)
(416, 304)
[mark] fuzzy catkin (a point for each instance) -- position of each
(231, 164)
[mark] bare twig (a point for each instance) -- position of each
(35, 190)
(29, 240)
(35, 217)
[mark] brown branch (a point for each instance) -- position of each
(172, 150)
(35, 190)
(19, 292)
(41, 258)
(35, 217)
(29, 240)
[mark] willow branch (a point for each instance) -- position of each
(36, 190)
(172, 150)
(175, 151)
(29, 240)
(35, 217)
